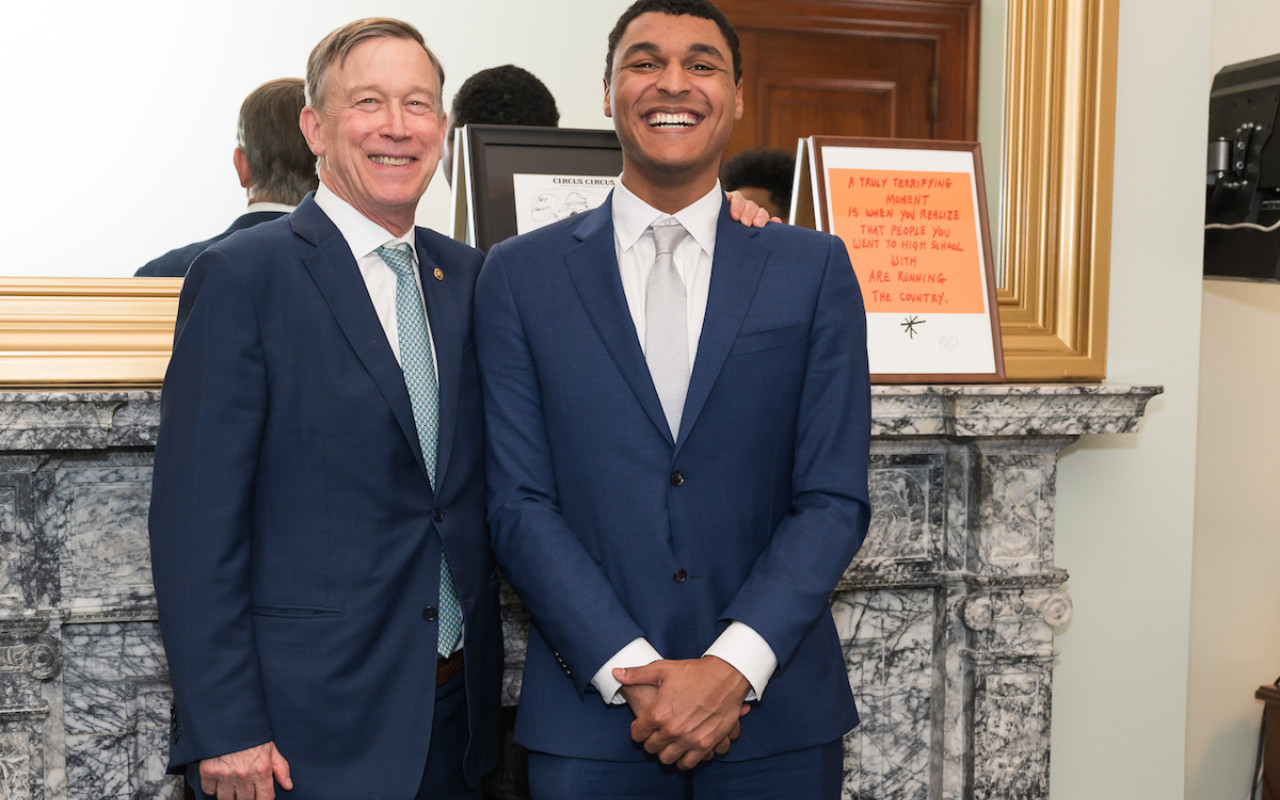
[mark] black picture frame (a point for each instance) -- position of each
(484, 203)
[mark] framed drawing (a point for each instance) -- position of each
(510, 179)
(913, 215)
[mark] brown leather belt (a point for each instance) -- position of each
(446, 668)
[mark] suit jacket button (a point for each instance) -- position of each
(680, 576)
(438, 516)
(677, 478)
(430, 613)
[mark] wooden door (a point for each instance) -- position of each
(894, 68)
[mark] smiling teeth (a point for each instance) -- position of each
(390, 161)
(661, 120)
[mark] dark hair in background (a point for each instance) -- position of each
(505, 95)
(771, 170)
(281, 166)
(693, 8)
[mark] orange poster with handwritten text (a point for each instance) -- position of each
(912, 237)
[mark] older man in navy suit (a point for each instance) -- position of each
(678, 424)
(273, 162)
(328, 601)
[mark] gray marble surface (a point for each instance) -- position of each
(947, 615)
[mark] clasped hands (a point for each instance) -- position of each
(686, 711)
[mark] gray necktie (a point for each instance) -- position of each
(424, 394)
(666, 326)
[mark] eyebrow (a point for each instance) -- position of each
(652, 47)
(373, 87)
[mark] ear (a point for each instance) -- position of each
(309, 123)
(444, 130)
(737, 108)
(608, 104)
(242, 167)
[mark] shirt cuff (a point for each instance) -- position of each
(636, 654)
(748, 653)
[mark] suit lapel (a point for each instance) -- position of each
(336, 275)
(593, 267)
(735, 274)
(446, 317)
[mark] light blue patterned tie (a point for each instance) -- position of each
(424, 393)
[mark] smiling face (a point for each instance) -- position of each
(380, 130)
(673, 100)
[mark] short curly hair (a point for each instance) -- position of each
(506, 95)
(702, 9)
(771, 170)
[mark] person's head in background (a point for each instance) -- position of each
(506, 95)
(762, 175)
(271, 156)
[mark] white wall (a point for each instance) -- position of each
(1235, 624)
(1125, 505)
(120, 117)
(991, 119)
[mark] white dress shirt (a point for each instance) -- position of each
(364, 237)
(739, 644)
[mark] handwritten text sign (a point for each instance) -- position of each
(912, 238)
(913, 217)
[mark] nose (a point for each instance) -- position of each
(393, 123)
(673, 80)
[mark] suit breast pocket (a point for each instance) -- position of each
(770, 339)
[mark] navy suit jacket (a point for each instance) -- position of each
(609, 529)
(295, 535)
(174, 264)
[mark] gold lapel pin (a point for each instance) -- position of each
(439, 274)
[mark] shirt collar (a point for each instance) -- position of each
(265, 206)
(363, 235)
(633, 216)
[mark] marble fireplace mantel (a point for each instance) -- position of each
(947, 614)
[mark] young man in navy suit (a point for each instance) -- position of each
(678, 420)
(318, 503)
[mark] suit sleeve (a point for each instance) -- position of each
(212, 411)
(790, 582)
(571, 601)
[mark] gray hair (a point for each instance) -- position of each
(334, 49)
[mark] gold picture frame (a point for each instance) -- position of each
(86, 332)
(1060, 111)
(1060, 88)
